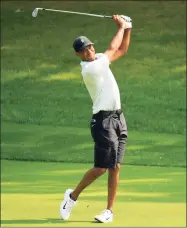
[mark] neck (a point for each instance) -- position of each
(84, 60)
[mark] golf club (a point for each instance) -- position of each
(35, 13)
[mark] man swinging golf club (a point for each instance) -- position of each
(108, 125)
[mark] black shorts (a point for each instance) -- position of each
(109, 132)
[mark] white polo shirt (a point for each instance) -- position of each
(101, 84)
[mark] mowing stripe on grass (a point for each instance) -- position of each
(73, 144)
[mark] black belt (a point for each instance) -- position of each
(108, 113)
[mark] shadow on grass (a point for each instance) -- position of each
(74, 144)
(43, 221)
(137, 184)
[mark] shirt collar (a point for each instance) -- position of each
(83, 63)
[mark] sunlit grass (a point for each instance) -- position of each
(31, 193)
(134, 194)
(45, 66)
(8, 47)
(38, 213)
(180, 69)
(147, 180)
(62, 76)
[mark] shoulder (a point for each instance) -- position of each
(100, 61)
(103, 58)
(99, 55)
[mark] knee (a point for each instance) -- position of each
(118, 166)
(115, 169)
(99, 171)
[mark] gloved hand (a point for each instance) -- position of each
(128, 25)
(126, 18)
(122, 21)
(128, 21)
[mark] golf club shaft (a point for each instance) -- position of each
(73, 12)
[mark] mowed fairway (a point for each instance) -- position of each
(46, 144)
(147, 196)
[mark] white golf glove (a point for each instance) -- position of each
(126, 18)
(128, 25)
(128, 21)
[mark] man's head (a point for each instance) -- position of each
(84, 48)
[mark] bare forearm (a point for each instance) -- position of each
(125, 41)
(120, 43)
(117, 40)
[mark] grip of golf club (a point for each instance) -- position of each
(110, 17)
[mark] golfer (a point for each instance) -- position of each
(108, 125)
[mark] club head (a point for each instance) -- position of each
(35, 12)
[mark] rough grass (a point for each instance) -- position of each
(41, 81)
(45, 108)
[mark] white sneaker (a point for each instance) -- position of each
(66, 205)
(105, 216)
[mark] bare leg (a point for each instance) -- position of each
(113, 180)
(88, 178)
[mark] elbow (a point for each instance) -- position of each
(113, 48)
(124, 49)
(125, 52)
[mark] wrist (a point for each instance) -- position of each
(122, 27)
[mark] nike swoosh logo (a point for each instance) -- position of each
(64, 207)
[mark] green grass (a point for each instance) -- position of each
(45, 106)
(74, 144)
(46, 109)
(31, 193)
(41, 81)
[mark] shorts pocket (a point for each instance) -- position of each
(115, 121)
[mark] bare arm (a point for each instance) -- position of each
(123, 47)
(116, 41)
(120, 43)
